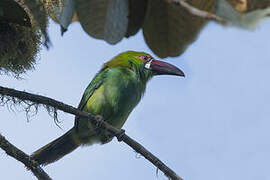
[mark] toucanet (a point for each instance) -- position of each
(113, 93)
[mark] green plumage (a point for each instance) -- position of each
(113, 94)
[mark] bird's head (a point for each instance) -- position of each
(143, 64)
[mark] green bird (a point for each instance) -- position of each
(113, 93)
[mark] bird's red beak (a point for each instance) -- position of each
(163, 68)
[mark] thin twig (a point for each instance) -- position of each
(197, 12)
(96, 120)
(16, 153)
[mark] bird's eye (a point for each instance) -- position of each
(144, 58)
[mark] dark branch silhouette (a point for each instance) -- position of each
(16, 153)
(21, 97)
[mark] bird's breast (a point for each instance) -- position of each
(114, 100)
(116, 97)
(122, 94)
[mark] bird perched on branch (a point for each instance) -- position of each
(113, 94)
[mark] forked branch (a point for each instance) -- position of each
(16, 153)
(49, 102)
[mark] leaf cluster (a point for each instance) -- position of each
(168, 28)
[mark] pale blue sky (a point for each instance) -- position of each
(214, 124)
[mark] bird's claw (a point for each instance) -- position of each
(120, 135)
(100, 121)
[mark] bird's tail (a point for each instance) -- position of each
(56, 149)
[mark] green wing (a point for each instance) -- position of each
(94, 84)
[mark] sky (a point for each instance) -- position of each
(213, 124)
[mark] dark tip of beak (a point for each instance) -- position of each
(163, 68)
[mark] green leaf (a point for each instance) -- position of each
(67, 14)
(137, 10)
(61, 11)
(169, 29)
(104, 19)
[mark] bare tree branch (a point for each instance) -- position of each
(197, 12)
(16, 153)
(120, 134)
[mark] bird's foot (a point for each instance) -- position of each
(120, 135)
(100, 121)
